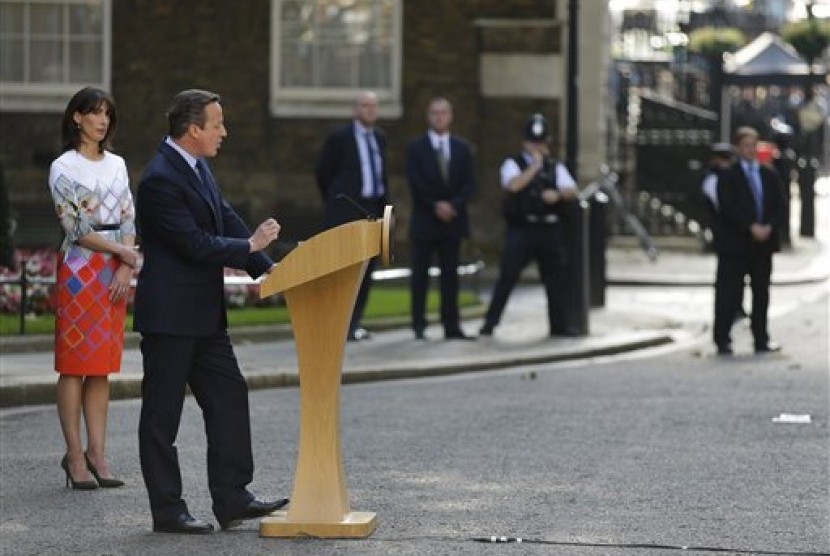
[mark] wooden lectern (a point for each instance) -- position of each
(320, 279)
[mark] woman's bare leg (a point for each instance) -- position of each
(96, 397)
(69, 401)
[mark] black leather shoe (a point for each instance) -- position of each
(254, 509)
(486, 330)
(420, 335)
(769, 347)
(358, 334)
(457, 335)
(183, 523)
(725, 350)
(565, 333)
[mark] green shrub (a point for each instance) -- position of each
(714, 41)
(810, 37)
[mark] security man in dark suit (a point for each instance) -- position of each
(441, 178)
(749, 219)
(535, 186)
(189, 233)
(351, 175)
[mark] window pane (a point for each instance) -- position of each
(85, 19)
(46, 19)
(47, 61)
(85, 61)
(11, 18)
(337, 43)
(334, 63)
(374, 68)
(50, 46)
(296, 67)
(11, 42)
(11, 60)
(297, 43)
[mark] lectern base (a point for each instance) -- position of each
(356, 525)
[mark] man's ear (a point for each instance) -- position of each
(193, 130)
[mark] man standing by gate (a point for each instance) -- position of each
(749, 219)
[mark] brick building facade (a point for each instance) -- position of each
(496, 60)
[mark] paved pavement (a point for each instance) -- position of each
(628, 321)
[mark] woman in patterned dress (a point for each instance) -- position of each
(92, 198)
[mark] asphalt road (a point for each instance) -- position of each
(639, 454)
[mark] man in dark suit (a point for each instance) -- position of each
(748, 223)
(441, 178)
(351, 175)
(189, 233)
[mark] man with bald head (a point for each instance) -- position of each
(351, 175)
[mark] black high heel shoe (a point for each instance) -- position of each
(76, 485)
(103, 482)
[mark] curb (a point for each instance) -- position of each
(241, 334)
(18, 395)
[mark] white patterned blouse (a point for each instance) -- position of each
(91, 195)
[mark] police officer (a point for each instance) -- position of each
(722, 157)
(720, 160)
(535, 187)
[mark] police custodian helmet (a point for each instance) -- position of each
(536, 128)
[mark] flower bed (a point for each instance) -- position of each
(40, 266)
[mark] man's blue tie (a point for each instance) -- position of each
(200, 167)
(207, 184)
(209, 188)
(372, 164)
(757, 190)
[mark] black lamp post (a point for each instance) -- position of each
(571, 111)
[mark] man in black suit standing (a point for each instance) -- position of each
(441, 178)
(351, 175)
(749, 218)
(189, 233)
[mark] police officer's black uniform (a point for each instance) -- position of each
(720, 161)
(533, 232)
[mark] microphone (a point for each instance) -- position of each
(357, 206)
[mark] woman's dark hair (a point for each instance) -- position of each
(85, 101)
(188, 107)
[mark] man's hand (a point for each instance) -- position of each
(445, 212)
(760, 232)
(550, 196)
(538, 160)
(264, 234)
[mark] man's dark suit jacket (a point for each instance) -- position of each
(187, 237)
(338, 172)
(737, 211)
(427, 186)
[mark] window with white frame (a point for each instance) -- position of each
(323, 52)
(51, 48)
